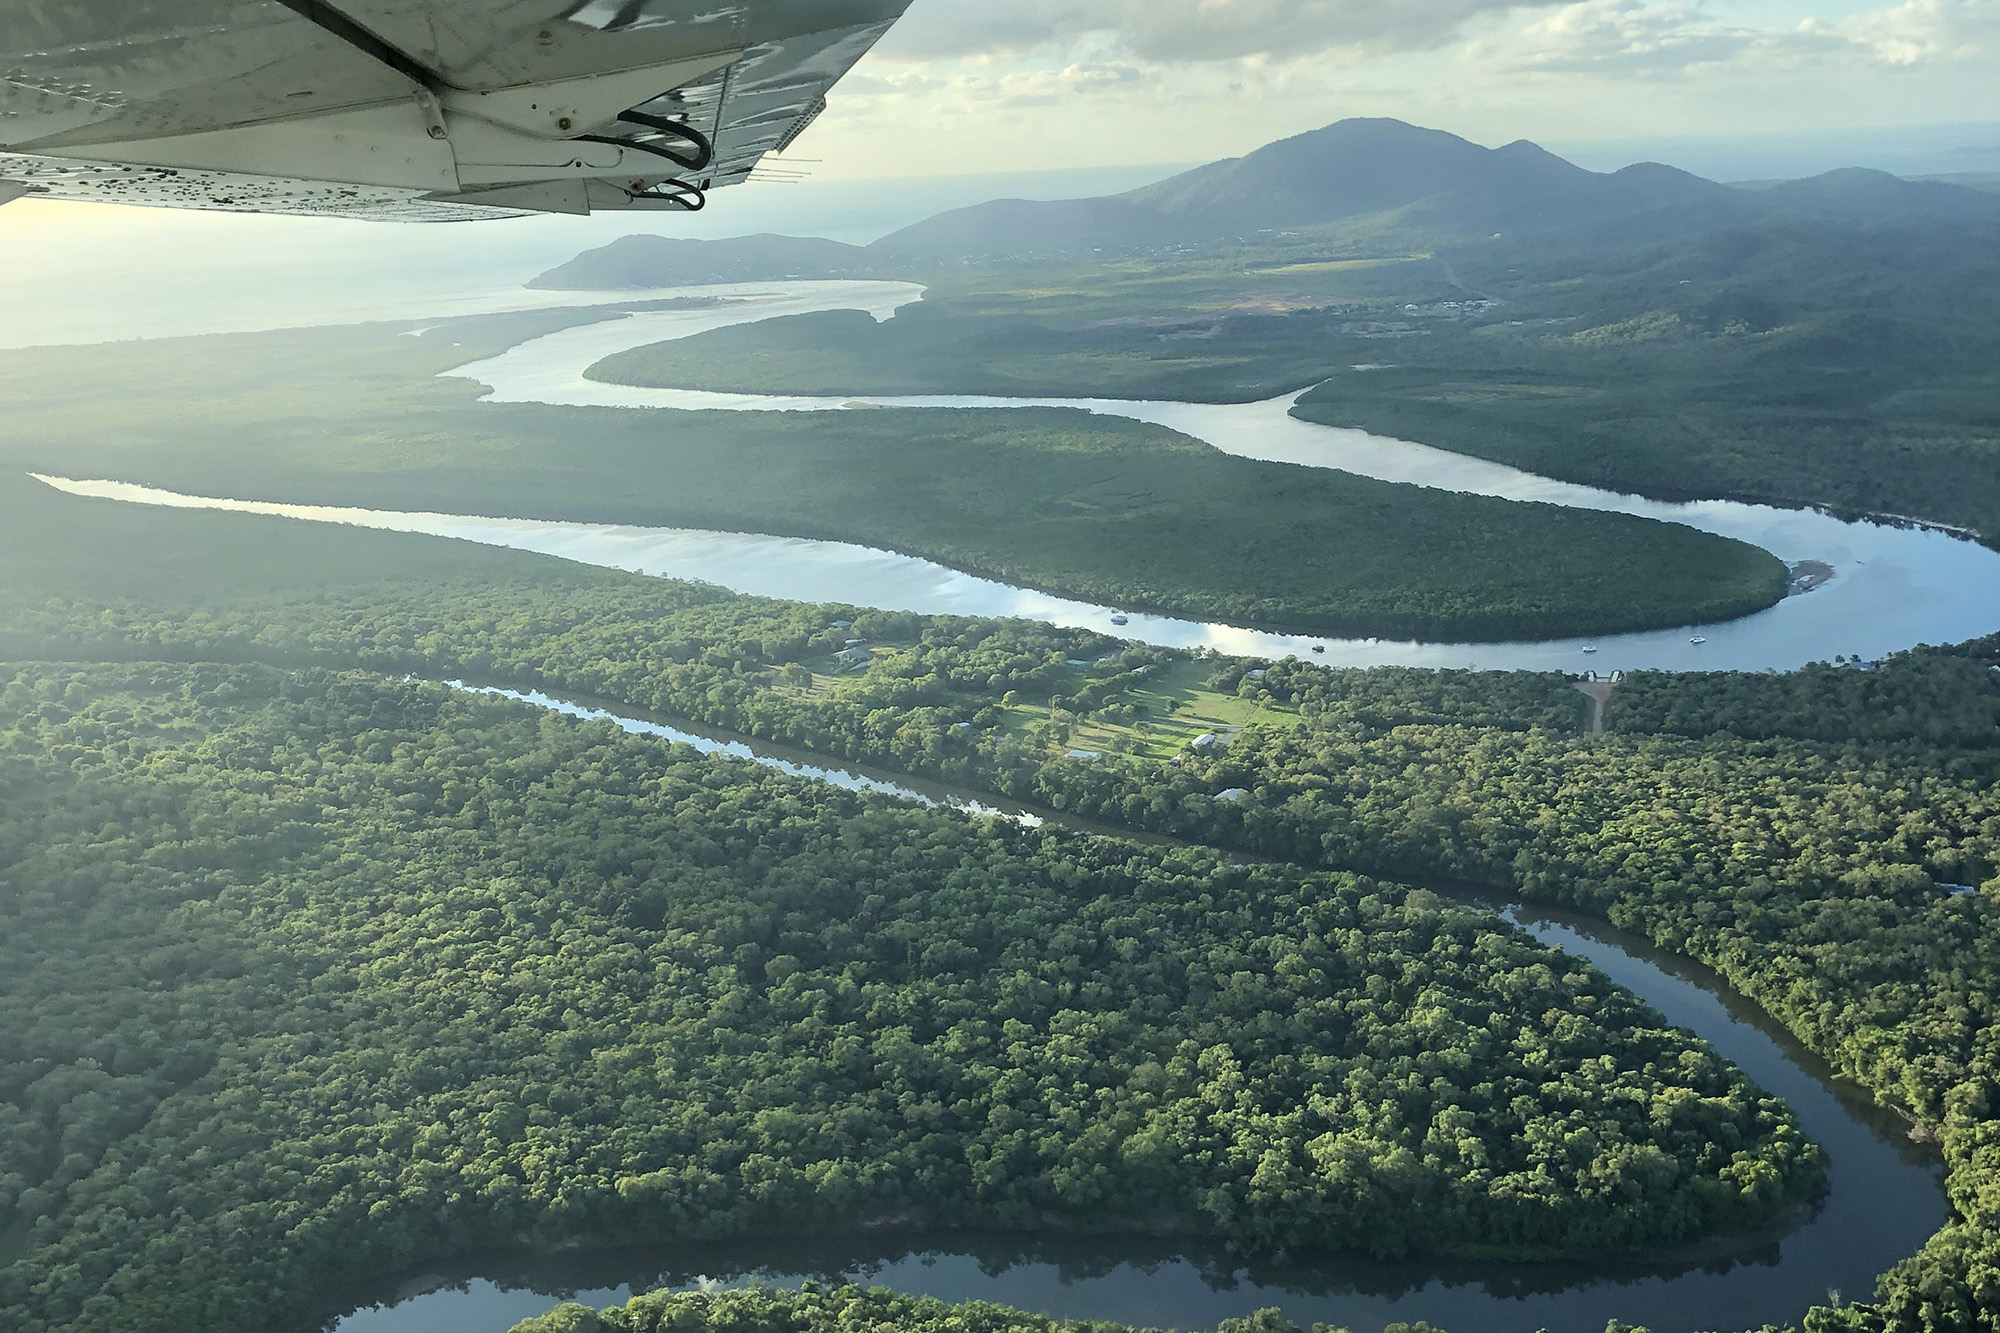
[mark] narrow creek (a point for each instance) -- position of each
(1886, 1195)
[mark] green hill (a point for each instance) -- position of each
(1377, 176)
(638, 262)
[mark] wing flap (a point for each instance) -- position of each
(258, 104)
(113, 70)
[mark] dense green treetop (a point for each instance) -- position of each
(850, 1309)
(1804, 861)
(311, 976)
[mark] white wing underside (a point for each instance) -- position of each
(413, 110)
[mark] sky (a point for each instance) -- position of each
(973, 99)
(966, 84)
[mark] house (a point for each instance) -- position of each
(1207, 743)
(1235, 795)
(854, 657)
(1087, 756)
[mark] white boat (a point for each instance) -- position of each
(1697, 639)
(1588, 651)
(1121, 620)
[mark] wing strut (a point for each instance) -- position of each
(331, 20)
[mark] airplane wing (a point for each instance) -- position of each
(413, 110)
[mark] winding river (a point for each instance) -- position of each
(1886, 1197)
(1892, 587)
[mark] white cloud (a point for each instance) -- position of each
(972, 91)
(1924, 31)
(1178, 31)
(978, 85)
(1625, 37)
(1634, 37)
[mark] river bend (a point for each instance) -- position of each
(1893, 587)
(1885, 1199)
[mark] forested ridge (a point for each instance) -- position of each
(813, 1310)
(1831, 361)
(1805, 860)
(849, 1309)
(313, 975)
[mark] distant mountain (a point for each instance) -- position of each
(1009, 226)
(1986, 182)
(1861, 195)
(1417, 185)
(1351, 170)
(635, 262)
(1345, 170)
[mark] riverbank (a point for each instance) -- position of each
(1082, 507)
(1883, 1200)
(1897, 587)
(451, 856)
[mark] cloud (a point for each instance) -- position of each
(1183, 31)
(1636, 38)
(1012, 89)
(1924, 31)
(1626, 37)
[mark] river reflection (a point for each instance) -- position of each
(1815, 627)
(1894, 587)
(1148, 1284)
(1885, 1198)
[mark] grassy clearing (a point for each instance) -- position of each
(1173, 709)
